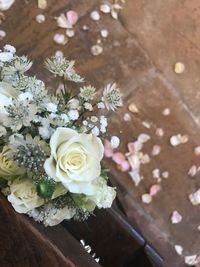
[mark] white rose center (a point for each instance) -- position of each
(73, 159)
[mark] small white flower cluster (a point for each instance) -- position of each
(50, 150)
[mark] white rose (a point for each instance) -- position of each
(8, 168)
(7, 92)
(23, 195)
(75, 160)
(104, 194)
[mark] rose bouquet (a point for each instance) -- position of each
(50, 146)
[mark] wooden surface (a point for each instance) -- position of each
(139, 54)
(24, 243)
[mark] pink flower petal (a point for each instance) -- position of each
(154, 189)
(124, 166)
(118, 158)
(176, 217)
(131, 147)
(108, 152)
(72, 17)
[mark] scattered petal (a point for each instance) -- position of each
(134, 147)
(2, 34)
(96, 50)
(124, 166)
(127, 117)
(85, 28)
(175, 140)
(104, 33)
(179, 68)
(198, 228)
(72, 17)
(114, 14)
(156, 150)
(134, 162)
(166, 112)
(98, 41)
(156, 173)
(63, 22)
(195, 198)
(179, 249)
(159, 132)
(40, 18)
(165, 174)
(118, 157)
(178, 139)
(192, 171)
(146, 198)
(108, 152)
(154, 189)
(176, 217)
(143, 138)
(136, 178)
(94, 15)
(60, 39)
(42, 4)
(132, 108)
(145, 159)
(70, 33)
(192, 260)
(146, 124)
(197, 151)
(105, 8)
(184, 138)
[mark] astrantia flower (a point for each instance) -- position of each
(17, 65)
(87, 93)
(63, 68)
(19, 114)
(112, 97)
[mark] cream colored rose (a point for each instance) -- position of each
(23, 195)
(75, 160)
(8, 168)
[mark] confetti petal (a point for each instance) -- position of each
(72, 17)
(124, 166)
(156, 150)
(192, 171)
(176, 217)
(136, 178)
(154, 189)
(118, 157)
(179, 249)
(146, 198)
(195, 198)
(192, 260)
